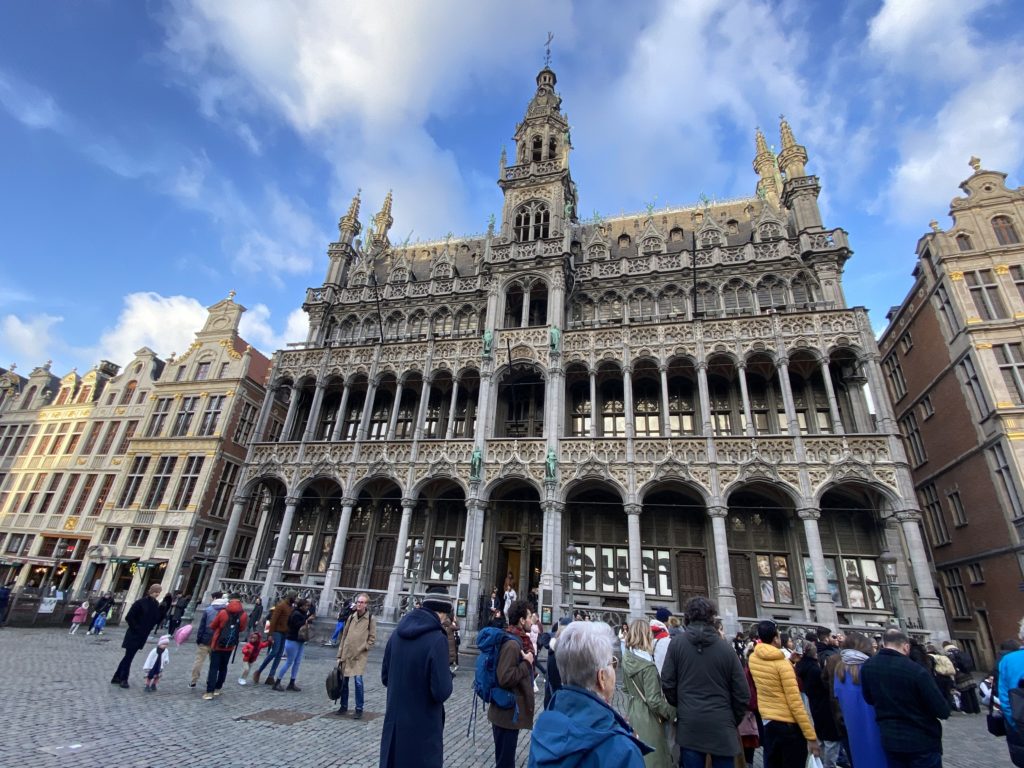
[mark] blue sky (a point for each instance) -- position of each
(157, 155)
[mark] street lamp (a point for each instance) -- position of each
(570, 553)
(887, 560)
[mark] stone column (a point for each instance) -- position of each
(421, 414)
(253, 566)
(745, 396)
(314, 412)
(787, 395)
(476, 510)
(339, 425)
(289, 420)
(726, 594)
(551, 553)
(393, 421)
(220, 566)
(364, 421)
(392, 602)
(337, 554)
(932, 617)
(594, 413)
(861, 416)
(637, 598)
(824, 607)
(705, 403)
(277, 561)
(259, 435)
(449, 430)
(880, 396)
(666, 424)
(525, 314)
(833, 404)
(627, 389)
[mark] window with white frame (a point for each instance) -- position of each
(211, 416)
(161, 479)
(133, 482)
(186, 412)
(985, 294)
(137, 537)
(1010, 358)
(187, 482)
(158, 417)
(1006, 481)
(166, 538)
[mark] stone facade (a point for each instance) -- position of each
(954, 363)
(617, 413)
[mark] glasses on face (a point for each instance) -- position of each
(614, 663)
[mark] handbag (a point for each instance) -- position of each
(305, 632)
(748, 725)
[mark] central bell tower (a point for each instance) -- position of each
(540, 196)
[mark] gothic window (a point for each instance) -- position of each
(380, 415)
(399, 275)
(609, 309)
(394, 328)
(371, 330)
(442, 270)
(442, 324)
(358, 279)
(681, 406)
(514, 306)
(466, 322)
(769, 230)
(709, 238)
(804, 292)
(736, 298)
(418, 325)
(1006, 233)
(579, 409)
(647, 408)
(538, 313)
(707, 300)
(538, 148)
(652, 244)
(641, 307)
(672, 304)
(582, 312)
(348, 329)
(521, 403)
(771, 293)
(963, 242)
(613, 409)
(597, 251)
(532, 222)
(406, 415)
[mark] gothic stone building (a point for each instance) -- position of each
(954, 364)
(619, 413)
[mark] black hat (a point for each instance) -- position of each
(438, 600)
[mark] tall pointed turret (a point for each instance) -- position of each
(793, 157)
(768, 186)
(349, 226)
(341, 253)
(381, 224)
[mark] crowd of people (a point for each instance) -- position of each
(663, 691)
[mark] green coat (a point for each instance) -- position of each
(640, 676)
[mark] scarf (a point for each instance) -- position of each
(158, 664)
(524, 638)
(851, 657)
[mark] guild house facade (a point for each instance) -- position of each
(618, 413)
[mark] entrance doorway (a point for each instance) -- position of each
(692, 571)
(523, 565)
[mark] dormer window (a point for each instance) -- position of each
(624, 241)
(963, 242)
(652, 245)
(769, 231)
(1006, 233)
(532, 222)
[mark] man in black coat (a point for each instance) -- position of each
(415, 672)
(702, 677)
(907, 702)
(141, 618)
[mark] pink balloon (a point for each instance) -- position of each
(182, 633)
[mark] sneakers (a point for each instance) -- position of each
(191, 685)
(207, 697)
(242, 681)
(218, 692)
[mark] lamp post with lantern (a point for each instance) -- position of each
(570, 555)
(887, 560)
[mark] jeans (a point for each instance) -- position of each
(784, 745)
(914, 759)
(689, 758)
(295, 649)
(218, 670)
(358, 680)
(337, 631)
(505, 741)
(274, 657)
(124, 669)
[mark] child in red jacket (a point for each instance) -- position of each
(250, 652)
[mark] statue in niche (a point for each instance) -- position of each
(476, 462)
(550, 465)
(488, 342)
(556, 337)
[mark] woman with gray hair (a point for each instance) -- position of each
(580, 727)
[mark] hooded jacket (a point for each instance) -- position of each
(704, 679)
(233, 608)
(646, 707)
(210, 612)
(579, 730)
(416, 674)
(778, 695)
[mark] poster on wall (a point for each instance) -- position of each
(47, 605)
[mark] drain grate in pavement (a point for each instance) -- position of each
(367, 715)
(278, 716)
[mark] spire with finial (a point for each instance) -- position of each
(232, 294)
(975, 163)
(793, 157)
(382, 222)
(764, 166)
(934, 225)
(349, 225)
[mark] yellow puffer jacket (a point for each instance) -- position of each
(778, 696)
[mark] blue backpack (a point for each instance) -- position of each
(485, 679)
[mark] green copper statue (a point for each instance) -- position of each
(550, 465)
(488, 342)
(476, 462)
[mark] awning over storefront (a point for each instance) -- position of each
(152, 563)
(122, 560)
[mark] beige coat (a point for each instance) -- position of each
(357, 638)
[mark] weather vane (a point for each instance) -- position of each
(547, 50)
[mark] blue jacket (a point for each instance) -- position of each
(1011, 670)
(578, 730)
(416, 673)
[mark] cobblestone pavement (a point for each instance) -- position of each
(63, 711)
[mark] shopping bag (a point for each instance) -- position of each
(813, 762)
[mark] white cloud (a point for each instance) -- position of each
(256, 328)
(29, 105)
(165, 324)
(28, 341)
